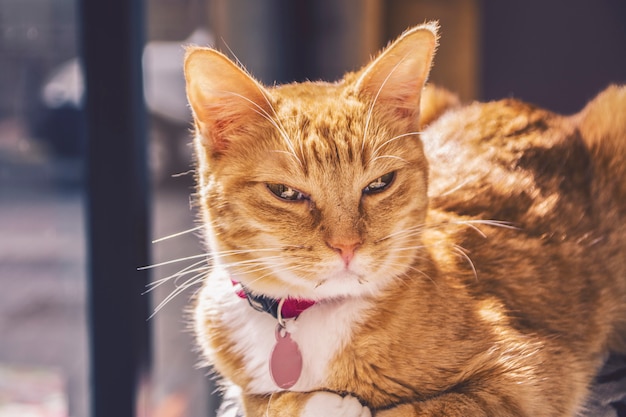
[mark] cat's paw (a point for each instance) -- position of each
(327, 404)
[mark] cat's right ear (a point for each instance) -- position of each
(223, 97)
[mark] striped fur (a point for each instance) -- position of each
(487, 279)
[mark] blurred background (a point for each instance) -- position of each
(556, 54)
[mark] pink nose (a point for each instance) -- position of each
(345, 248)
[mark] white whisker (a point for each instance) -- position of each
(388, 156)
(414, 230)
(455, 188)
(251, 261)
(187, 270)
(375, 156)
(196, 279)
(494, 223)
(371, 109)
(412, 268)
(274, 271)
(409, 231)
(161, 239)
(239, 63)
(461, 252)
(173, 261)
(275, 122)
(178, 276)
(281, 129)
(229, 252)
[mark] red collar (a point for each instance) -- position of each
(291, 307)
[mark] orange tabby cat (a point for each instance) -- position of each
(361, 267)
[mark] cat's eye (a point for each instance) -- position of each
(380, 184)
(284, 192)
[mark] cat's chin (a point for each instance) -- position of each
(331, 280)
(346, 283)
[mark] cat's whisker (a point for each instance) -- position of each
(420, 247)
(253, 269)
(253, 266)
(197, 279)
(190, 282)
(239, 63)
(236, 252)
(282, 151)
(178, 276)
(173, 235)
(458, 249)
(408, 231)
(407, 248)
(286, 139)
(379, 147)
(415, 230)
(271, 106)
(229, 252)
(400, 278)
(250, 265)
(187, 270)
(258, 267)
(454, 189)
(493, 223)
(375, 156)
(476, 228)
(281, 129)
(388, 156)
(290, 154)
(272, 270)
(173, 261)
(370, 111)
(275, 122)
(287, 268)
(414, 269)
(269, 403)
(252, 262)
(405, 263)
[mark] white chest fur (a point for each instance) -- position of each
(320, 332)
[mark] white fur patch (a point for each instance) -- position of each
(320, 332)
(327, 404)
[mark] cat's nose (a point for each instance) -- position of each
(345, 248)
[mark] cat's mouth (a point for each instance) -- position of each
(346, 274)
(339, 284)
(327, 280)
(351, 275)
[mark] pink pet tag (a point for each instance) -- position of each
(286, 360)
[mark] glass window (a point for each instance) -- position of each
(43, 347)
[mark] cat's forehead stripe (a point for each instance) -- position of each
(332, 135)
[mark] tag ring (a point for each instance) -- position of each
(279, 313)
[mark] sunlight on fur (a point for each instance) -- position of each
(468, 262)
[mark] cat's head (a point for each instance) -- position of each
(313, 190)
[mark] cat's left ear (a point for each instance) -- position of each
(395, 79)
